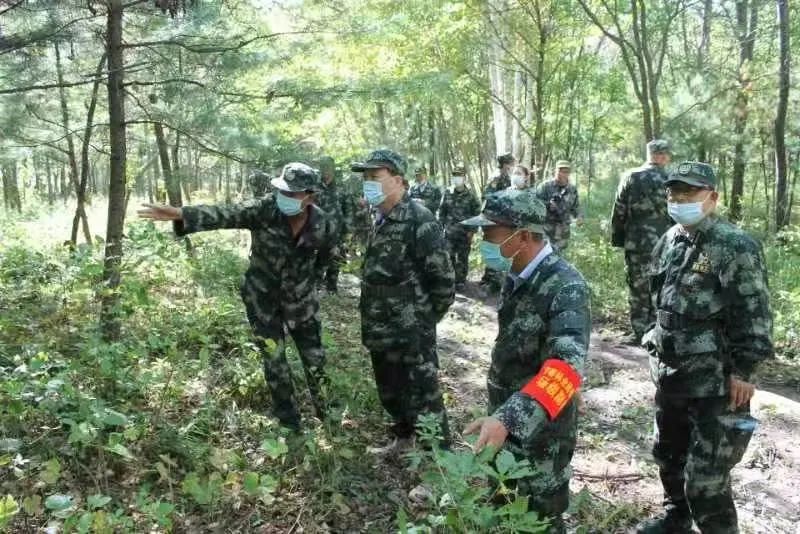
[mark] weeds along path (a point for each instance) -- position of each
(614, 472)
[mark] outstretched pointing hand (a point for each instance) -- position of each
(160, 212)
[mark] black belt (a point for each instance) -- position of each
(678, 321)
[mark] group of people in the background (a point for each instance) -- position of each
(699, 305)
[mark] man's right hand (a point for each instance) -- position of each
(160, 212)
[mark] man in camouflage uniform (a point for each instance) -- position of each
(458, 203)
(406, 289)
(335, 203)
(539, 355)
(561, 199)
(638, 219)
(286, 231)
(493, 280)
(713, 326)
(425, 192)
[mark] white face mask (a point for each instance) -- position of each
(457, 181)
(519, 181)
(687, 214)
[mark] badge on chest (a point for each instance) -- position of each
(702, 265)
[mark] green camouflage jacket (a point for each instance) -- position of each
(458, 205)
(335, 202)
(561, 201)
(408, 282)
(713, 314)
(640, 215)
(278, 286)
(429, 194)
(497, 183)
(547, 316)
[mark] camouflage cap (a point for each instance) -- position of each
(459, 170)
(514, 208)
(297, 177)
(563, 164)
(505, 159)
(695, 174)
(382, 159)
(657, 146)
(420, 170)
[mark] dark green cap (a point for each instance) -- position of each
(382, 159)
(297, 177)
(420, 170)
(512, 207)
(695, 174)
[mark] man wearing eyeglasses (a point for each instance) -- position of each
(713, 327)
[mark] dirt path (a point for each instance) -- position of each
(613, 459)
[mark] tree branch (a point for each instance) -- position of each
(205, 48)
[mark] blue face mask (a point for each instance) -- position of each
(492, 256)
(289, 206)
(373, 192)
(687, 214)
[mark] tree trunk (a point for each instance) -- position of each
(382, 130)
(110, 319)
(51, 195)
(171, 183)
(431, 148)
(11, 198)
(72, 158)
(517, 106)
(80, 193)
(497, 86)
(781, 178)
(746, 34)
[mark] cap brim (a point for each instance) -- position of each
(361, 167)
(282, 185)
(687, 180)
(478, 220)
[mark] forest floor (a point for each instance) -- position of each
(168, 429)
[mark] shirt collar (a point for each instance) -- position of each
(526, 273)
(703, 226)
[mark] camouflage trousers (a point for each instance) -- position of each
(642, 313)
(307, 338)
(549, 455)
(408, 385)
(558, 235)
(329, 262)
(459, 247)
(697, 443)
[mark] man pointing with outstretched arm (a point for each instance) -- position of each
(278, 289)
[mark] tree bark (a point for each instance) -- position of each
(171, 183)
(745, 27)
(110, 319)
(80, 208)
(781, 172)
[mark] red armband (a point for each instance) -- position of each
(554, 386)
